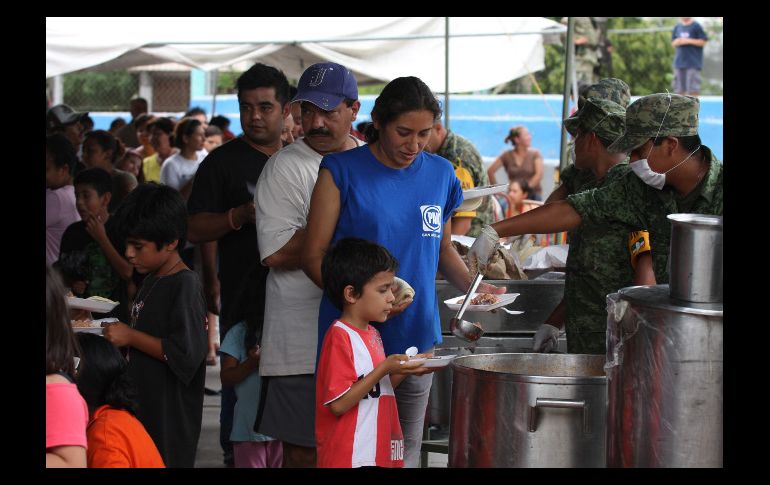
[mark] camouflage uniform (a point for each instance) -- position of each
(598, 261)
(627, 200)
(461, 152)
(586, 58)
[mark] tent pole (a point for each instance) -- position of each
(568, 70)
(446, 73)
(213, 82)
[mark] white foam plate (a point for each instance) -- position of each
(91, 305)
(502, 300)
(96, 326)
(435, 361)
(482, 191)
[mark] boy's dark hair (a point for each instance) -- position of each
(98, 178)
(60, 344)
(221, 121)
(263, 76)
(62, 151)
(153, 212)
(102, 377)
(401, 95)
(353, 261)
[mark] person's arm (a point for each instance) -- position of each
(558, 317)
(554, 217)
(233, 372)
(451, 265)
(392, 364)
(321, 222)
(560, 193)
(65, 457)
(289, 256)
(121, 335)
(210, 278)
(122, 267)
(695, 42)
(534, 181)
(186, 189)
(212, 226)
(493, 168)
(644, 274)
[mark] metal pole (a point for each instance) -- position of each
(568, 74)
(213, 82)
(446, 73)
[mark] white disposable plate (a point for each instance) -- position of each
(436, 361)
(502, 300)
(96, 326)
(91, 305)
(485, 190)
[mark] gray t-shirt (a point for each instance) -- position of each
(282, 198)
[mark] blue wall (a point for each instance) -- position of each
(484, 119)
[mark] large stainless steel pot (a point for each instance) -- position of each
(439, 404)
(695, 259)
(528, 410)
(664, 374)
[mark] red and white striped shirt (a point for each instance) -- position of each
(369, 434)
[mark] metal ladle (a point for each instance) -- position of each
(464, 329)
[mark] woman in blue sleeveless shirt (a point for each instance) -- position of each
(395, 194)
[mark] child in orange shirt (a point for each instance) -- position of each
(116, 439)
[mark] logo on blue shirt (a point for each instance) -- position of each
(431, 218)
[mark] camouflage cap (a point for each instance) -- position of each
(604, 117)
(610, 88)
(659, 115)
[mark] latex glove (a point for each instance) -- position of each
(484, 250)
(545, 339)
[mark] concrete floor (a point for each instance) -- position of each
(209, 452)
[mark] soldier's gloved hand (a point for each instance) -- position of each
(545, 339)
(483, 250)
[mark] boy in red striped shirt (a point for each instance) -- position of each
(356, 416)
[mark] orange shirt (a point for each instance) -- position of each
(116, 439)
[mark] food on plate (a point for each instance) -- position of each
(100, 298)
(402, 291)
(482, 299)
(82, 323)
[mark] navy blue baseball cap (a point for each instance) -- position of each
(326, 85)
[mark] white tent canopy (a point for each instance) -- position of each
(483, 51)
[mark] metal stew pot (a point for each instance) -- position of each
(528, 410)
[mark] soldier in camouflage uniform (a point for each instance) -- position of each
(662, 136)
(461, 152)
(599, 121)
(586, 39)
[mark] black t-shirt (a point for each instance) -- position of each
(80, 256)
(227, 178)
(170, 395)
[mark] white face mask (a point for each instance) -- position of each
(649, 176)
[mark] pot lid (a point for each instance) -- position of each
(657, 296)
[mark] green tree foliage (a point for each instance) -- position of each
(100, 91)
(642, 59)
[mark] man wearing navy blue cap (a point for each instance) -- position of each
(328, 96)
